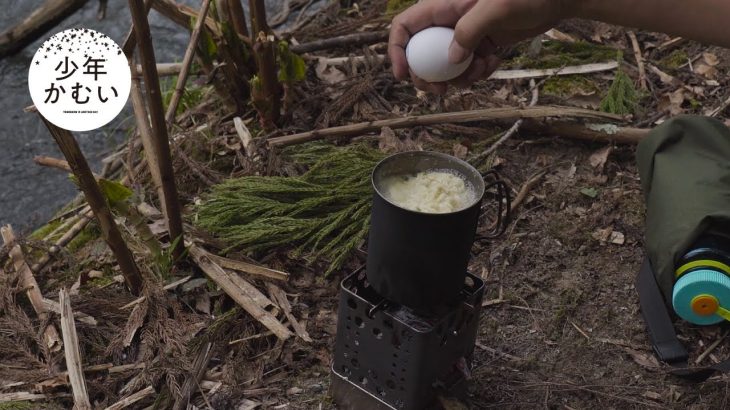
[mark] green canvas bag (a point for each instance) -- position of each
(684, 166)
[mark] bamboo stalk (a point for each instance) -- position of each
(132, 398)
(73, 356)
(27, 281)
(187, 61)
(242, 292)
(98, 204)
(440, 118)
(159, 126)
(267, 97)
(192, 380)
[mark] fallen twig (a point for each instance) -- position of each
(588, 132)
(73, 356)
(513, 130)
(245, 294)
(280, 298)
(132, 398)
(83, 220)
(639, 60)
(711, 347)
(341, 41)
(721, 108)
(172, 285)
(249, 268)
(27, 281)
(431, 119)
(192, 379)
(549, 72)
(497, 352)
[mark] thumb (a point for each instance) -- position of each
(473, 26)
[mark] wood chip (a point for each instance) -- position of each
(249, 268)
(131, 399)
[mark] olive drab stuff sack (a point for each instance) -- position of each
(684, 166)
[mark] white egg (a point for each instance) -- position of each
(428, 55)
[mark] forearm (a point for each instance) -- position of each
(707, 21)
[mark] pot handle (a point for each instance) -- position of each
(492, 181)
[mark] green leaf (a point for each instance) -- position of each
(589, 192)
(292, 67)
(113, 191)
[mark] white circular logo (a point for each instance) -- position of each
(79, 79)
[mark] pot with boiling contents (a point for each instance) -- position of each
(424, 219)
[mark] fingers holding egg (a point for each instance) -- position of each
(427, 54)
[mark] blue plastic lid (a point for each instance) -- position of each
(700, 282)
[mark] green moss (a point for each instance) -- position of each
(88, 234)
(396, 6)
(44, 230)
(674, 60)
(555, 54)
(569, 85)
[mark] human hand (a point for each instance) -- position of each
(481, 27)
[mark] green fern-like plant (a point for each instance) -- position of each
(322, 214)
(622, 97)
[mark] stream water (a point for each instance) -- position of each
(30, 194)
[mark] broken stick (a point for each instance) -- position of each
(246, 295)
(27, 281)
(73, 356)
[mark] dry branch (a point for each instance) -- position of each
(27, 281)
(132, 398)
(84, 219)
(70, 149)
(172, 285)
(341, 41)
(38, 22)
(192, 380)
(187, 61)
(441, 118)
(73, 356)
(639, 60)
(181, 15)
(159, 126)
(249, 268)
(130, 41)
(163, 69)
(588, 132)
(280, 298)
(242, 292)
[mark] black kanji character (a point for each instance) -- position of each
(93, 67)
(65, 70)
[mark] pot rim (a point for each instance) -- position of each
(477, 198)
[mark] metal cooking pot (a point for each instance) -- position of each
(420, 259)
